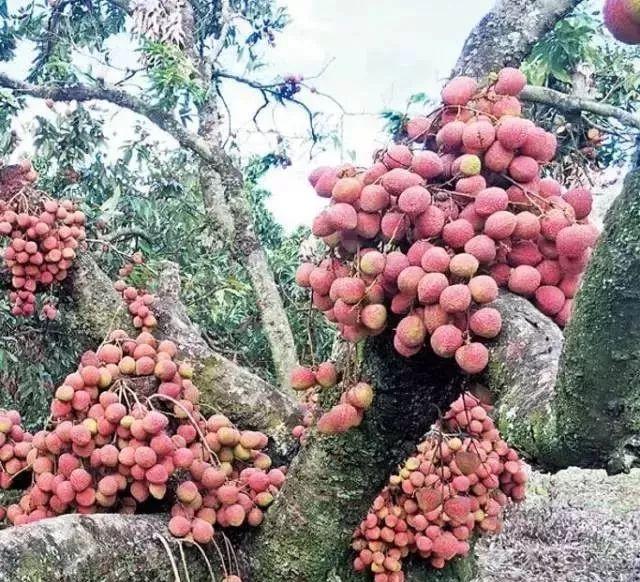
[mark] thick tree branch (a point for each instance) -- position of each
(247, 399)
(574, 104)
(216, 156)
(505, 36)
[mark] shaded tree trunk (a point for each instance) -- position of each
(333, 480)
(597, 403)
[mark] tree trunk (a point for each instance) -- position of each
(231, 223)
(105, 547)
(333, 480)
(597, 404)
(506, 35)
(522, 374)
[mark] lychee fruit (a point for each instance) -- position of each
(411, 331)
(500, 225)
(459, 91)
(549, 299)
(483, 289)
(510, 81)
(446, 340)
(414, 200)
(472, 358)
(464, 265)
(524, 280)
(486, 322)
(455, 298)
(457, 232)
(427, 164)
(491, 200)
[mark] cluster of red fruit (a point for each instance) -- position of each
(436, 225)
(44, 237)
(139, 303)
(128, 428)
(15, 445)
(348, 413)
(457, 483)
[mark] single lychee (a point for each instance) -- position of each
(491, 200)
(524, 280)
(483, 289)
(411, 331)
(457, 232)
(486, 322)
(549, 299)
(455, 298)
(459, 91)
(446, 340)
(464, 265)
(510, 81)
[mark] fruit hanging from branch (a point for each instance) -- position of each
(127, 429)
(423, 239)
(43, 238)
(455, 485)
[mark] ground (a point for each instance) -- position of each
(575, 526)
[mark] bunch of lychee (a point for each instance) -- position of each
(44, 237)
(15, 444)
(127, 429)
(139, 303)
(455, 485)
(355, 398)
(437, 224)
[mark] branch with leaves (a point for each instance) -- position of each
(574, 104)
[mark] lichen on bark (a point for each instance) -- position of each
(597, 400)
(334, 479)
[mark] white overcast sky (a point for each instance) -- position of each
(379, 53)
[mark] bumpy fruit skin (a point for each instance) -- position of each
(459, 91)
(510, 82)
(472, 358)
(446, 340)
(302, 378)
(446, 492)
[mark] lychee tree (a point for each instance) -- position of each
(588, 417)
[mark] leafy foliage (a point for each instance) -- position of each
(579, 56)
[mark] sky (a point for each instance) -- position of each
(379, 53)
(372, 55)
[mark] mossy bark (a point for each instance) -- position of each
(589, 415)
(334, 479)
(597, 403)
(522, 374)
(105, 547)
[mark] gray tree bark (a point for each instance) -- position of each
(226, 204)
(506, 35)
